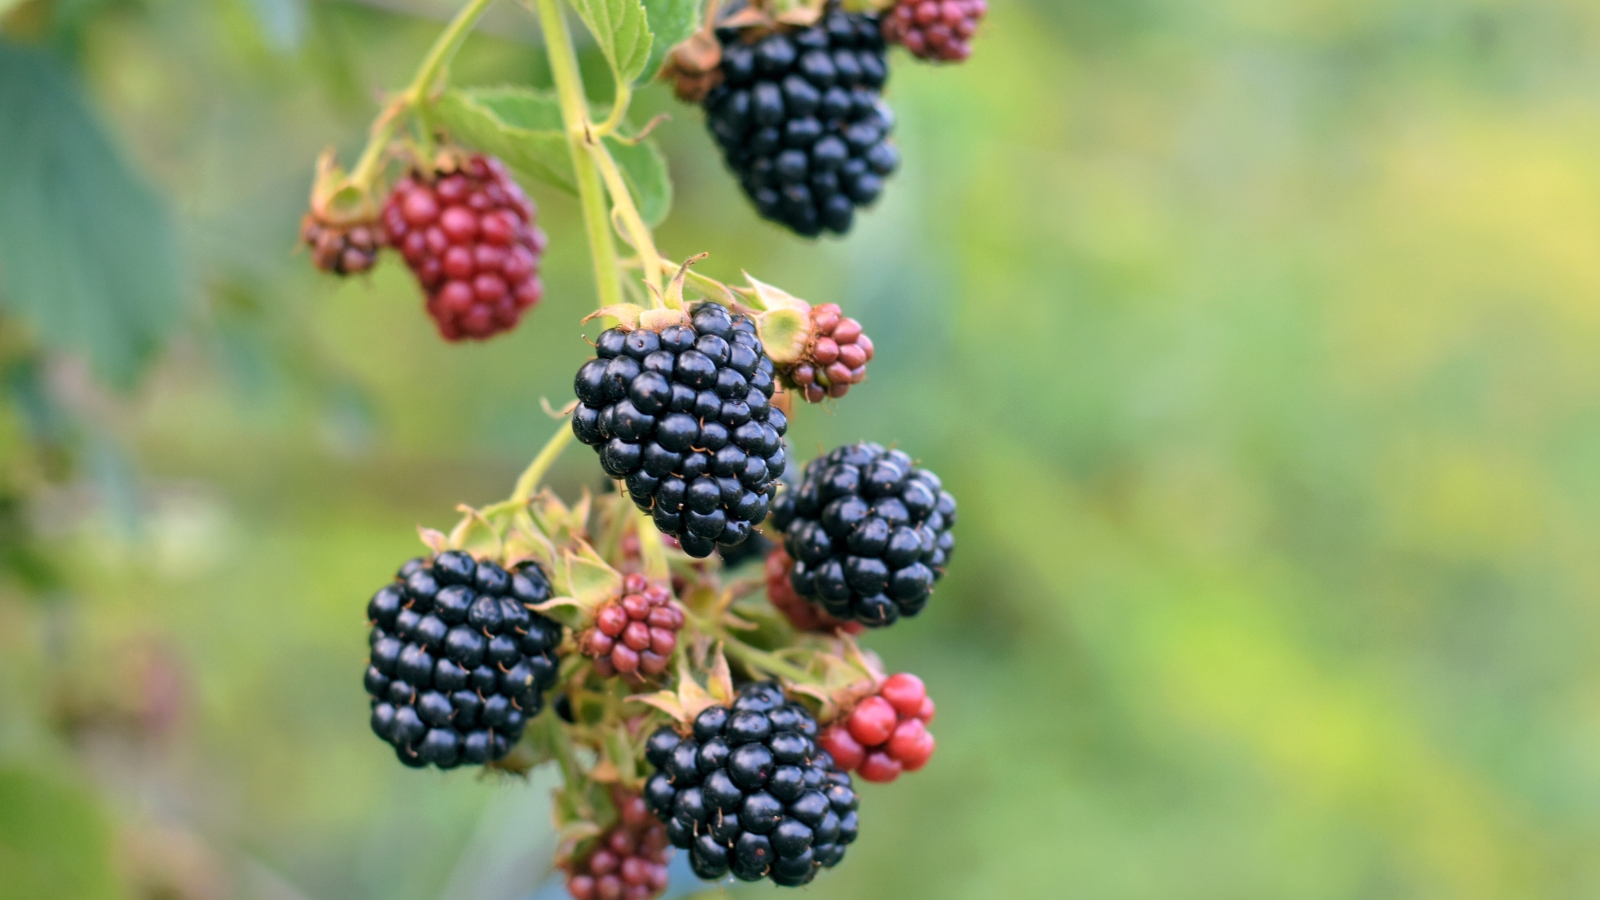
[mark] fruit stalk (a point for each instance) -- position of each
(414, 96)
(575, 116)
(764, 661)
(528, 482)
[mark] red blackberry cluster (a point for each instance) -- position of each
(628, 861)
(801, 613)
(341, 249)
(836, 358)
(459, 662)
(800, 119)
(684, 417)
(636, 633)
(469, 237)
(937, 30)
(885, 734)
(748, 791)
(869, 532)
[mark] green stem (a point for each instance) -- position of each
(572, 775)
(528, 482)
(414, 96)
(764, 661)
(619, 111)
(575, 116)
(632, 222)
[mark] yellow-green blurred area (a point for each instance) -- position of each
(1259, 342)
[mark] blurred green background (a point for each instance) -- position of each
(1258, 341)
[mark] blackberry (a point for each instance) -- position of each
(835, 358)
(801, 121)
(886, 733)
(342, 249)
(869, 532)
(748, 791)
(459, 662)
(634, 634)
(935, 30)
(801, 613)
(684, 417)
(628, 861)
(757, 546)
(469, 237)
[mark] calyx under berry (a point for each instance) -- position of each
(341, 229)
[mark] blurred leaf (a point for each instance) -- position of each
(671, 23)
(621, 29)
(87, 256)
(523, 127)
(283, 22)
(645, 171)
(54, 841)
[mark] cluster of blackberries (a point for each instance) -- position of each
(684, 417)
(869, 533)
(886, 733)
(341, 249)
(801, 120)
(748, 791)
(628, 861)
(634, 633)
(459, 662)
(469, 237)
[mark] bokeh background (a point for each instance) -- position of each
(1258, 341)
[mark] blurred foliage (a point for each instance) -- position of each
(1256, 339)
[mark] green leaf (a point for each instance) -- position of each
(621, 29)
(671, 22)
(523, 127)
(54, 839)
(87, 254)
(645, 170)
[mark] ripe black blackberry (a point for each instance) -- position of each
(869, 533)
(757, 546)
(684, 417)
(801, 120)
(459, 662)
(749, 791)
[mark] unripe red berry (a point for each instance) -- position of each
(905, 692)
(879, 767)
(846, 751)
(835, 359)
(469, 237)
(343, 248)
(635, 633)
(884, 734)
(935, 30)
(911, 744)
(872, 721)
(626, 862)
